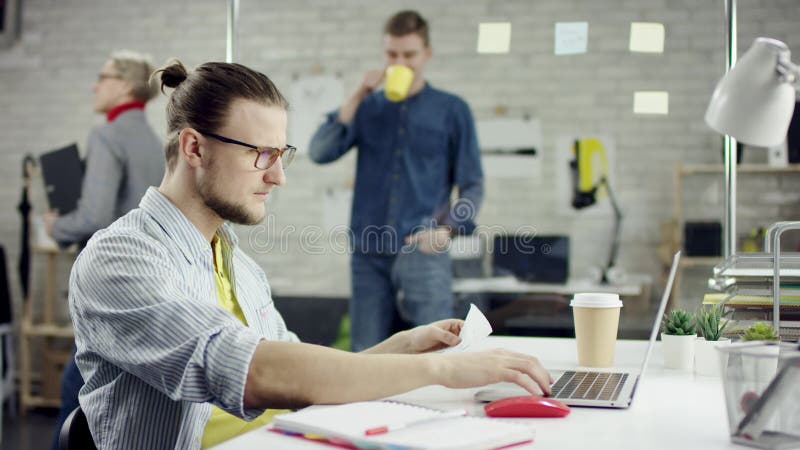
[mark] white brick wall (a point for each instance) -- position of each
(45, 97)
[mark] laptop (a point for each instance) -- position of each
(603, 389)
(62, 171)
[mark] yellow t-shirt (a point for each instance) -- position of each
(223, 426)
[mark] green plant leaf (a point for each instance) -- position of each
(760, 331)
(678, 322)
(710, 323)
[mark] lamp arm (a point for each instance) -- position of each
(789, 71)
(612, 258)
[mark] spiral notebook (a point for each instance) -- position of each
(393, 425)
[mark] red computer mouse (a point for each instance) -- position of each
(526, 406)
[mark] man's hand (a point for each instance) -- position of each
(430, 241)
(463, 370)
(292, 374)
(434, 336)
(424, 338)
(372, 79)
(49, 218)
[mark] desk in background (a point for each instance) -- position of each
(519, 308)
(671, 409)
(511, 285)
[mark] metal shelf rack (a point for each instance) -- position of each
(762, 272)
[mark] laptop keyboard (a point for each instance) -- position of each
(589, 385)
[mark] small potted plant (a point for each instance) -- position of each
(711, 325)
(678, 336)
(760, 331)
(764, 367)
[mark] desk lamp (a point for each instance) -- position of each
(585, 189)
(754, 102)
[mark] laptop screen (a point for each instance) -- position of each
(661, 307)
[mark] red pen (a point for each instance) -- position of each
(396, 426)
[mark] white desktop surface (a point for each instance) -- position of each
(671, 409)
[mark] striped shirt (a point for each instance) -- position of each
(154, 347)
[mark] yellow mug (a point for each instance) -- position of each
(398, 81)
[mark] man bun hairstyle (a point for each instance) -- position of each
(201, 99)
(408, 22)
(172, 75)
(135, 68)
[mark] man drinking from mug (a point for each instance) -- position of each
(413, 148)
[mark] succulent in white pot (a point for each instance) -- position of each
(763, 368)
(711, 325)
(678, 336)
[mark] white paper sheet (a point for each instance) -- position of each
(647, 37)
(476, 328)
(509, 134)
(501, 137)
(571, 38)
(494, 37)
(651, 102)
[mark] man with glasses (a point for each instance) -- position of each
(178, 337)
(124, 158)
(411, 154)
(267, 156)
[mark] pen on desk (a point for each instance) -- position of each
(396, 426)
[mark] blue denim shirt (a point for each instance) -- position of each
(410, 155)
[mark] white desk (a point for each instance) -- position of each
(671, 409)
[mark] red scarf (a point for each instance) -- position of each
(112, 113)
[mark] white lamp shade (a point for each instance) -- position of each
(752, 103)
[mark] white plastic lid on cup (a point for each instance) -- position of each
(596, 300)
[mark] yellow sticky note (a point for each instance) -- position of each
(651, 102)
(647, 37)
(494, 37)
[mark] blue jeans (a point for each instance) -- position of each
(71, 383)
(392, 292)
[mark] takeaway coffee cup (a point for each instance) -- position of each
(398, 81)
(596, 319)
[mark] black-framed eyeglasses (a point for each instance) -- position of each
(104, 76)
(266, 155)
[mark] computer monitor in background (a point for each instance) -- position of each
(536, 259)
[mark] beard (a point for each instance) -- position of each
(226, 210)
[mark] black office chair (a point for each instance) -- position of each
(74, 434)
